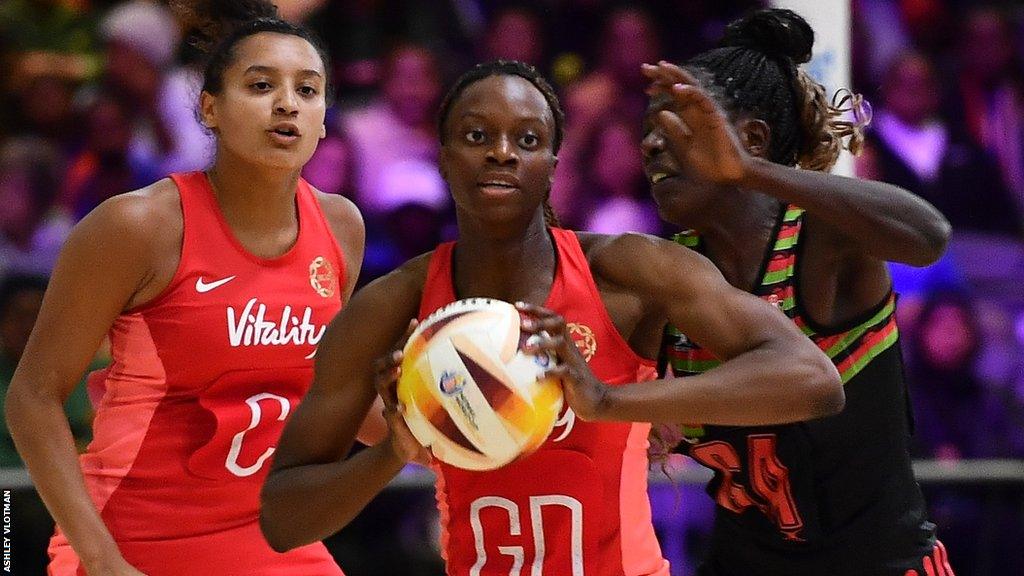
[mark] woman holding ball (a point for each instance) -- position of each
(580, 501)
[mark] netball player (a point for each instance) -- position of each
(215, 288)
(579, 503)
(723, 136)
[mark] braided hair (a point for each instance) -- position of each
(215, 27)
(756, 69)
(506, 68)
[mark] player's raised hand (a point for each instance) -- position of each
(663, 75)
(387, 371)
(583, 391)
(697, 131)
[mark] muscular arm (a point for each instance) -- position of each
(771, 373)
(866, 218)
(106, 264)
(350, 232)
(312, 491)
(875, 219)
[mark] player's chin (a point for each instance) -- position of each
(284, 159)
(668, 193)
(678, 199)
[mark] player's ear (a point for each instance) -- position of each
(756, 136)
(208, 110)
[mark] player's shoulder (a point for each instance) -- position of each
(407, 281)
(337, 208)
(634, 259)
(413, 271)
(627, 251)
(131, 216)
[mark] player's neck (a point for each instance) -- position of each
(509, 267)
(258, 198)
(736, 234)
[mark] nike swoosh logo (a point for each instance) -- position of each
(203, 287)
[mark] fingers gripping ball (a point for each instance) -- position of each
(471, 394)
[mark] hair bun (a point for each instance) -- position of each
(207, 22)
(775, 32)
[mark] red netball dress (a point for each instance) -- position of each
(202, 380)
(578, 505)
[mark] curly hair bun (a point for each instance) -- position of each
(209, 21)
(775, 32)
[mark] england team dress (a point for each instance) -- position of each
(578, 505)
(203, 378)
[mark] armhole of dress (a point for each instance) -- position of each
(798, 303)
(307, 191)
(572, 250)
(186, 203)
(439, 274)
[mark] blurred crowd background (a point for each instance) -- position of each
(98, 97)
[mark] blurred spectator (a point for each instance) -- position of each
(41, 39)
(614, 89)
(333, 167)
(360, 32)
(990, 94)
(31, 230)
(50, 25)
(415, 211)
(396, 127)
(611, 184)
(52, 34)
(955, 413)
(697, 25)
(928, 22)
(20, 300)
(141, 39)
(879, 37)
(911, 146)
(105, 166)
(514, 33)
(45, 110)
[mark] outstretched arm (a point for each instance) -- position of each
(877, 219)
(312, 490)
(771, 373)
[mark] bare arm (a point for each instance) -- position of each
(875, 219)
(312, 491)
(771, 373)
(104, 267)
(350, 232)
(878, 219)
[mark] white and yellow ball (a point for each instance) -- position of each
(471, 395)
